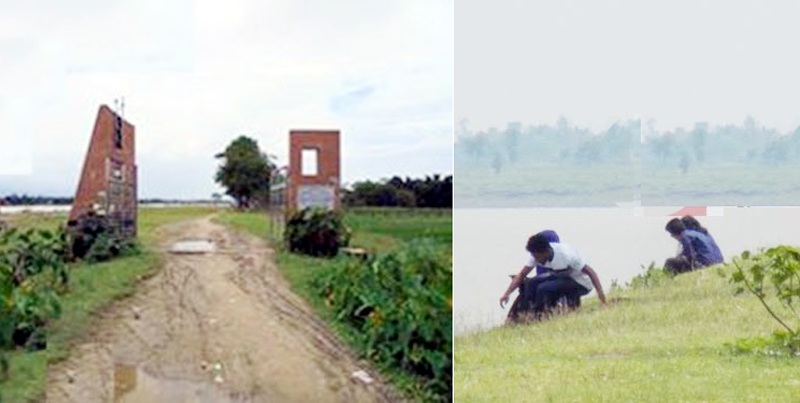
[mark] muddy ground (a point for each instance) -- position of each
(213, 327)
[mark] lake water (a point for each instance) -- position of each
(489, 244)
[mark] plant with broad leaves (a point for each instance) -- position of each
(400, 306)
(32, 273)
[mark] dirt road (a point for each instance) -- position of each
(213, 327)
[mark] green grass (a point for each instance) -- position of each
(377, 230)
(92, 289)
(662, 344)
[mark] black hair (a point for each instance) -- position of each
(538, 243)
(675, 226)
(691, 223)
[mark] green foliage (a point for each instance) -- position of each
(774, 273)
(400, 303)
(652, 276)
(431, 192)
(32, 272)
(245, 172)
(316, 232)
(780, 343)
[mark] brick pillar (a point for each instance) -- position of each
(108, 179)
(321, 189)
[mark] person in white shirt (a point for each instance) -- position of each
(570, 275)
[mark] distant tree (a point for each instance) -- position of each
(699, 135)
(497, 162)
(245, 173)
(590, 151)
(664, 145)
(476, 145)
(684, 162)
(511, 140)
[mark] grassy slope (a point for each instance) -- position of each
(94, 287)
(378, 230)
(665, 344)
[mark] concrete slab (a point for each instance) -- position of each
(193, 246)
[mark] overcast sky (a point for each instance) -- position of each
(677, 62)
(196, 74)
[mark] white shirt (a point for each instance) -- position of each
(567, 258)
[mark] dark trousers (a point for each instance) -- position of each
(549, 292)
(528, 291)
(680, 264)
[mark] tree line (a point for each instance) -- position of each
(26, 200)
(431, 192)
(626, 142)
(247, 173)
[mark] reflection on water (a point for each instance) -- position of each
(134, 385)
(489, 244)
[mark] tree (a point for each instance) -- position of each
(699, 135)
(245, 172)
(511, 138)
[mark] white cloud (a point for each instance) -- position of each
(196, 74)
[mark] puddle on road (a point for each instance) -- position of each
(193, 246)
(133, 385)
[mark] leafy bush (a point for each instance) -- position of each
(400, 306)
(316, 232)
(780, 268)
(93, 239)
(32, 272)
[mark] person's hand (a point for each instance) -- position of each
(503, 300)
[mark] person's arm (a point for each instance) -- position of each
(514, 284)
(688, 250)
(596, 282)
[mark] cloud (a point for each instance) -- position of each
(197, 74)
(343, 103)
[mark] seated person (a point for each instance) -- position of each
(691, 223)
(697, 249)
(569, 276)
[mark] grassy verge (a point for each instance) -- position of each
(378, 230)
(665, 343)
(92, 288)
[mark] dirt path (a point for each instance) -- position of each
(215, 327)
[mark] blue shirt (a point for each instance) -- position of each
(700, 248)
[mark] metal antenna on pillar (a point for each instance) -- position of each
(122, 108)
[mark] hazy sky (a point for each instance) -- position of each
(677, 62)
(196, 74)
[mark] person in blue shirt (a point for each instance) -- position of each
(698, 251)
(691, 223)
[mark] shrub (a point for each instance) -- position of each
(316, 232)
(651, 276)
(400, 306)
(92, 238)
(777, 269)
